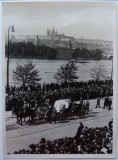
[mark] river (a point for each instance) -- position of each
(48, 68)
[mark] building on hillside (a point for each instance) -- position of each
(92, 44)
(56, 40)
(52, 39)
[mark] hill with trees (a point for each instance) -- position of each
(29, 50)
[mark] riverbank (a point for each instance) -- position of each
(43, 58)
(48, 68)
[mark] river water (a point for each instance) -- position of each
(48, 68)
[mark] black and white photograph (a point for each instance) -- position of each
(59, 79)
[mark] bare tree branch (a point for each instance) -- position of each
(98, 72)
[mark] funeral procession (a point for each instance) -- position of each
(59, 78)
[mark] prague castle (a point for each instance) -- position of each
(59, 40)
(52, 39)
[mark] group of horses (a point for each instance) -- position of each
(21, 113)
(50, 114)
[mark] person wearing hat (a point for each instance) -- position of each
(80, 128)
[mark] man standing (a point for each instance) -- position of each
(106, 100)
(98, 102)
(80, 128)
(87, 106)
(110, 103)
(48, 114)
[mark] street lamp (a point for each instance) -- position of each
(12, 29)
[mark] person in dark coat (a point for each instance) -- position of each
(80, 128)
(106, 100)
(110, 103)
(98, 102)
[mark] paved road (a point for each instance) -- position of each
(19, 137)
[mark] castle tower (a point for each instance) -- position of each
(53, 32)
(48, 32)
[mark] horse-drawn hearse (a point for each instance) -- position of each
(59, 111)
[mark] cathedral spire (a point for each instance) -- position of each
(48, 32)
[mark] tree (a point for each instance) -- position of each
(85, 53)
(66, 73)
(76, 53)
(99, 72)
(98, 53)
(26, 74)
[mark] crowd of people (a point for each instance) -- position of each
(31, 94)
(107, 103)
(98, 140)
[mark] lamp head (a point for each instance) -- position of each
(13, 29)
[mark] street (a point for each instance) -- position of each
(19, 137)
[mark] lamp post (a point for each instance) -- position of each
(12, 29)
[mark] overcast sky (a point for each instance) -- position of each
(87, 20)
